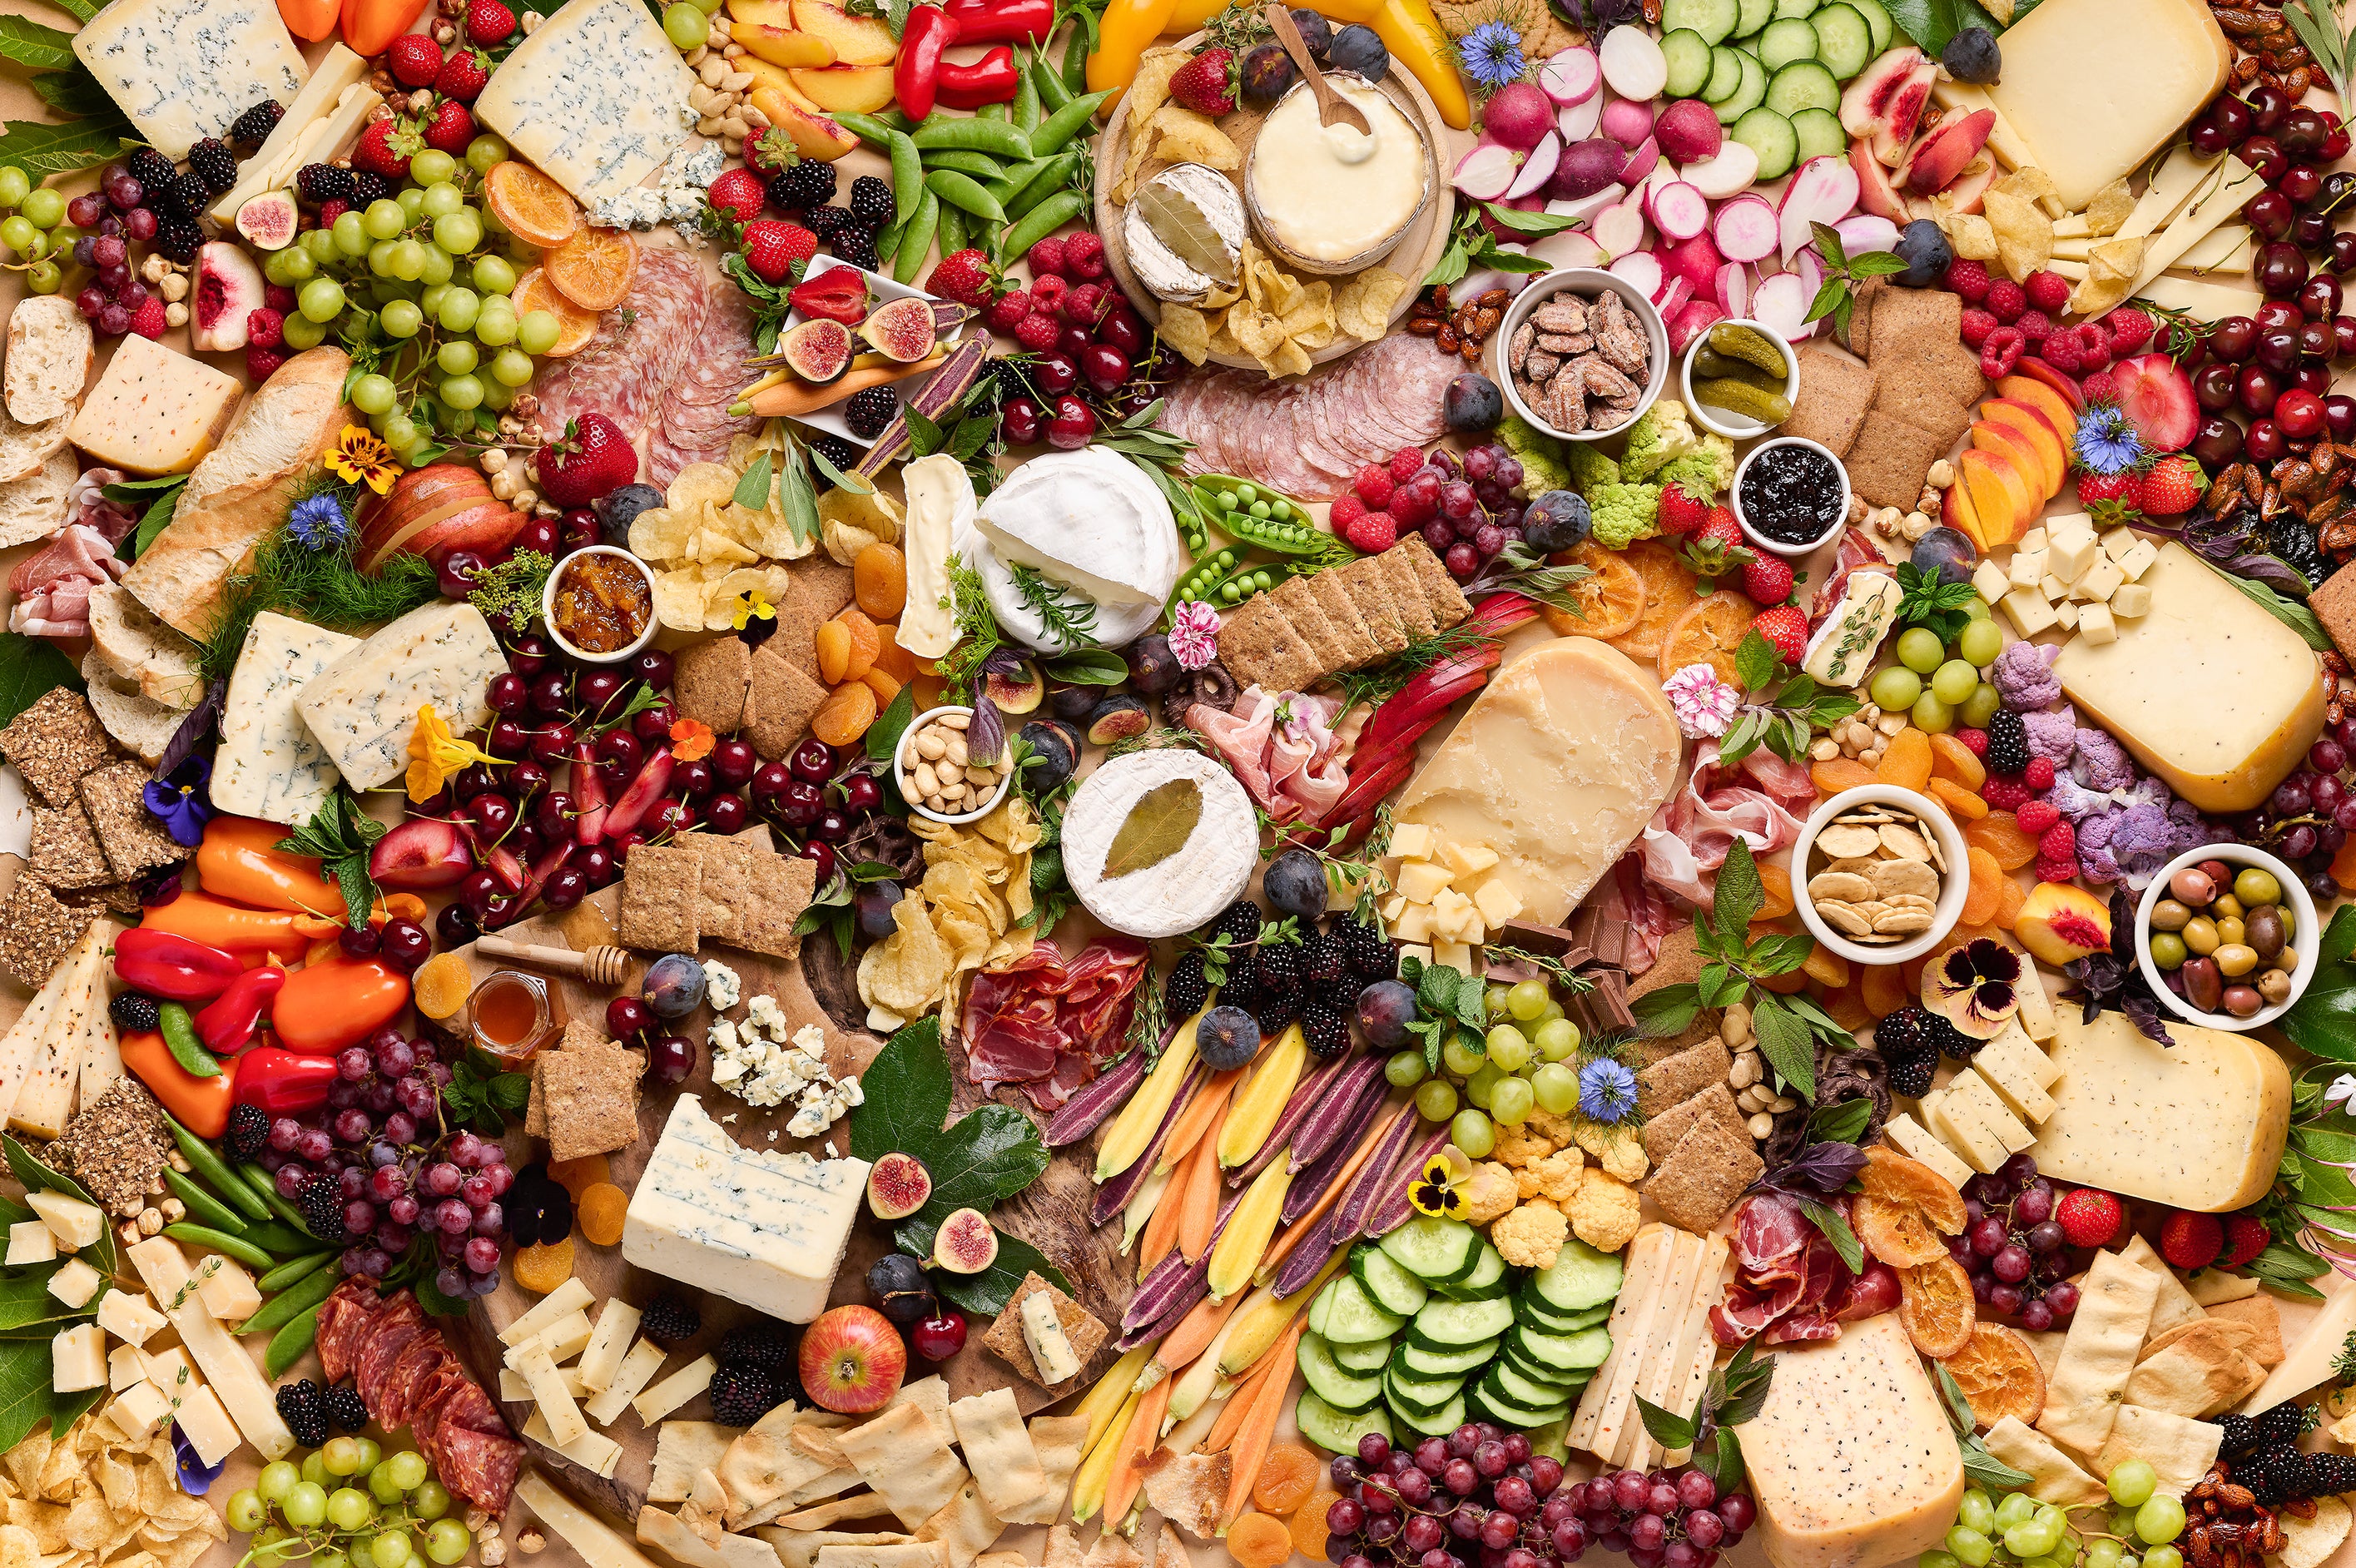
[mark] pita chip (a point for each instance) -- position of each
(670, 1535)
(682, 1448)
(999, 1452)
(2174, 1305)
(906, 1459)
(2310, 1542)
(1057, 1440)
(2084, 1390)
(2212, 1287)
(705, 1510)
(1062, 1549)
(907, 1554)
(799, 1548)
(2262, 1318)
(1170, 1548)
(1189, 1491)
(1001, 1560)
(862, 1505)
(2202, 1373)
(763, 1471)
(964, 1527)
(2056, 1477)
(2178, 1449)
(1112, 1550)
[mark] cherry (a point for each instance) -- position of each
(456, 576)
(655, 667)
(506, 693)
(822, 856)
(2265, 442)
(537, 535)
(1055, 373)
(600, 690)
(528, 655)
(2270, 213)
(404, 944)
(553, 743)
(2339, 415)
(2319, 297)
(799, 804)
(526, 780)
(861, 793)
(1073, 426)
(494, 814)
(507, 739)
(769, 782)
(726, 814)
(2214, 386)
(1104, 365)
(1124, 331)
(2232, 339)
(1019, 420)
(938, 1338)
(733, 763)
(2299, 413)
(626, 1016)
(621, 748)
(670, 1060)
(653, 725)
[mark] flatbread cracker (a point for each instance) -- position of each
(906, 1459)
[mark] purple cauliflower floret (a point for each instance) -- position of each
(2193, 831)
(2075, 801)
(2143, 840)
(2101, 762)
(2053, 736)
(2024, 678)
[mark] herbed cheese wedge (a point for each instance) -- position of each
(231, 1371)
(185, 69)
(45, 1101)
(1634, 1312)
(676, 1389)
(617, 1323)
(548, 1392)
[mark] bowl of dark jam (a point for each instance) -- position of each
(1789, 495)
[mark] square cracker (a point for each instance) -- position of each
(1703, 1175)
(35, 930)
(662, 895)
(115, 798)
(727, 884)
(713, 681)
(1834, 394)
(65, 851)
(1665, 1131)
(784, 697)
(1397, 576)
(816, 591)
(1862, 299)
(1293, 598)
(1440, 594)
(1349, 627)
(1005, 1334)
(1910, 394)
(1366, 582)
(54, 743)
(1263, 648)
(1889, 460)
(778, 888)
(590, 1108)
(1906, 321)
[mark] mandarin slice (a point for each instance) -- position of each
(1999, 1374)
(1611, 599)
(1835, 774)
(844, 716)
(1707, 632)
(1951, 758)
(1907, 762)
(595, 268)
(1890, 1175)
(1257, 1541)
(833, 642)
(1934, 1303)
(2001, 835)
(531, 207)
(1987, 896)
(1957, 799)
(1895, 1233)
(598, 1213)
(574, 326)
(1286, 1476)
(1668, 590)
(544, 1265)
(1884, 990)
(878, 581)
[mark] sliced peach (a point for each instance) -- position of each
(774, 80)
(1988, 435)
(2000, 496)
(2070, 390)
(2030, 421)
(769, 13)
(848, 88)
(782, 45)
(1955, 510)
(815, 136)
(856, 40)
(2059, 412)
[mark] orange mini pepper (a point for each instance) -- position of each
(327, 1007)
(370, 25)
(313, 20)
(201, 1104)
(239, 860)
(255, 935)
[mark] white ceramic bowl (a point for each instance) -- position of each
(1776, 546)
(1955, 885)
(548, 606)
(904, 759)
(1587, 280)
(1718, 419)
(2305, 931)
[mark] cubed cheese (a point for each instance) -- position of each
(2026, 568)
(1916, 1141)
(2065, 615)
(2138, 560)
(124, 1366)
(169, 1369)
(139, 1410)
(2052, 586)
(597, 97)
(1420, 951)
(2130, 600)
(1412, 841)
(1394, 906)
(228, 1292)
(153, 411)
(1468, 859)
(227, 1366)
(269, 764)
(2099, 581)
(2070, 550)
(1449, 912)
(1496, 902)
(2029, 610)
(2033, 539)
(206, 1425)
(75, 1283)
(30, 1242)
(2117, 542)
(75, 1224)
(1423, 880)
(2095, 626)
(1991, 582)
(1413, 924)
(129, 1315)
(1452, 955)
(77, 1359)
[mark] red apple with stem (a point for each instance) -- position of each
(852, 1359)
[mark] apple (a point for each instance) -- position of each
(421, 855)
(852, 1359)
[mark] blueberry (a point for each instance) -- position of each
(874, 903)
(1947, 554)
(1228, 1037)
(1925, 250)
(1315, 31)
(674, 986)
(1972, 56)
(1356, 48)
(1384, 1010)
(1556, 521)
(1295, 884)
(1473, 403)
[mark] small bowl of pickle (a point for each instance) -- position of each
(1740, 379)
(2226, 936)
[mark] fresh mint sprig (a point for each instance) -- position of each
(1781, 711)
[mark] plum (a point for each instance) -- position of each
(1051, 741)
(1226, 1038)
(1947, 553)
(1267, 74)
(1556, 521)
(1356, 47)
(674, 986)
(1972, 56)
(1316, 32)
(1073, 702)
(897, 1282)
(1295, 883)
(1923, 247)
(1473, 403)
(1385, 1008)
(1152, 664)
(421, 855)
(874, 903)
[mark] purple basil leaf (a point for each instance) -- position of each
(1823, 1167)
(191, 733)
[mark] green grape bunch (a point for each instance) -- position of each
(349, 1505)
(2137, 1530)
(1526, 1063)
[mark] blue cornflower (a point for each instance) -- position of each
(1492, 55)
(1607, 1090)
(2108, 440)
(317, 523)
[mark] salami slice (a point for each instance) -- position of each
(407, 1378)
(694, 424)
(638, 351)
(480, 1466)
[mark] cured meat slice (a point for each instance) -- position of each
(344, 1322)
(380, 1352)
(1047, 1025)
(409, 1376)
(694, 424)
(637, 350)
(480, 1466)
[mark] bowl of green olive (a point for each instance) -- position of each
(2226, 936)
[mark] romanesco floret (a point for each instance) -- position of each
(1625, 513)
(1540, 454)
(1664, 432)
(1704, 471)
(2101, 762)
(1589, 466)
(2023, 676)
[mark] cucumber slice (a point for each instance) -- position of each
(1354, 1318)
(1510, 1415)
(1487, 1278)
(1337, 1386)
(1447, 1419)
(1548, 1320)
(1725, 75)
(1587, 1347)
(1433, 1249)
(1548, 1440)
(1425, 1361)
(1563, 1385)
(1820, 135)
(1393, 1288)
(1578, 1279)
(1445, 1324)
(1803, 84)
(1688, 53)
(1322, 1308)
(1526, 1392)
(1713, 19)
(1877, 16)
(1787, 38)
(1770, 135)
(1419, 1396)
(1795, 7)
(1756, 14)
(1367, 1356)
(1747, 95)
(1844, 40)
(1335, 1430)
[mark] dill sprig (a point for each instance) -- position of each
(514, 587)
(325, 587)
(1378, 681)
(1070, 617)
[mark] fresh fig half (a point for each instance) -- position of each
(1974, 987)
(902, 329)
(818, 350)
(965, 1244)
(269, 220)
(898, 1187)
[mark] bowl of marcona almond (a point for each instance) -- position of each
(936, 775)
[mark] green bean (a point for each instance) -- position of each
(973, 135)
(1042, 220)
(309, 1291)
(1063, 123)
(960, 190)
(237, 1246)
(909, 259)
(907, 175)
(872, 129)
(179, 1031)
(202, 1205)
(216, 1172)
(288, 1345)
(981, 165)
(1053, 93)
(1027, 102)
(955, 234)
(292, 1270)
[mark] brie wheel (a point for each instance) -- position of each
(1180, 892)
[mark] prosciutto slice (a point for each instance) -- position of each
(1282, 749)
(52, 585)
(1047, 1025)
(1755, 800)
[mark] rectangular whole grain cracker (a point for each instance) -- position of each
(1906, 320)
(65, 851)
(1400, 581)
(661, 898)
(115, 798)
(783, 700)
(1081, 1326)
(2088, 1383)
(35, 930)
(1908, 394)
(1349, 625)
(1367, 582)
(1440, 594)
(1704, 1174)
(1298, 605)
(1262, 648)
(1889, 460)
(1679, 1077)
(590, 1101)
(54, 743)
(1862, 299)
(726, 885)
(1663, 1133)
(713, 683)
(778, 888)
(1835, 392)
(2334, 605)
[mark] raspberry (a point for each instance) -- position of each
(1977, 324)
(1969, 280)
(1373, 533)
(1345, 510)
(2005, 794)
(2191, 1240)
(2062, 351)
(2038, 774)
(1036, 332)
(1406, 462)
(264, 328)
(2100, 387)
(2129, 328)
(2036, 327)
(1047, 259)
(2048, 291)
(2002, 351)
(2005, 300)
(1006, 313)
(2090, 1217)
(1084, 255)
(2057, 871)
(279, 298)
(1085, 305)
(261, 364)
(2245, 1237)
(1973, 741)
(2094, 348)
(149, 321)
(2036, 816)
(332, 209)
(1374, 485)
(1047, 291)
(2059, 841)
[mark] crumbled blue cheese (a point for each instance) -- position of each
(721, 988)
(763, 1061)
(676, 197)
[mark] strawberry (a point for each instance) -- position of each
(839, 294)
(2090, 1217)
(1007, 311)
(386, 147)
(1682, 512)
(1206, 83)
(964, 276)
(1036, 332)
(593, 457)
(1785, 628)
(739, 193)
(2093, 487)
(148, 321)
(463, 75)
(772, 247)
(413, 60)
(772, 152)
(2171, 487)
(451, 129)
(1767, 580)
(1718, 527)
(2245, 1237)
(2191, 1240)
(489, 23)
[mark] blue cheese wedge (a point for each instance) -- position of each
(596, 98)
(363, 707)
(1841, 651)
(270, 765)
(1051, 1347)
(185, 69)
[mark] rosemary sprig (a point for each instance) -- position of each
(976, 628)
(1071, 618)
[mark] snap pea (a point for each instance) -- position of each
(1245, 511)
(292, 1270)
(1065, 124)
(955, 231)
(289, 1344)
(1075, 53)
(1027, 102)
(1020, 181)
(261, 1183)
(872, 129)
(1258, 578)
(237, 1246)
(278, 1241)
(308, 1291)
(1053, 93)
(1040, 221)
(991, 111)
(960, 190)
(981, 165)
(179, 1032)
(215, 1171)
(1060, 170)
(995, 137)
(919, 239)
(202, 1205)
(907, 175)
(1205, 577)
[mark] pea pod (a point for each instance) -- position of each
(1020, 181)
(207, 1163)
(265, 1185)
(202, 1205)
(278, 1241)
(1244, 511)
(179, 1032)
(1065, 124)
(991, 111)
(308, 1291)
(1042, 221)
(995, 137)
(1256, 577)
(918, 240)
(960, 190)
(289, 1345)
(1053, 93)
(292, 1270)
(1027, 102)
(955, 232)
(221, 1241)
(1075, 53)
(872, 129)
(1207, 574)
(907, 175)
(1060, 170)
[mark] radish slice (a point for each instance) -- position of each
(1809, 268)
(1628, 122)
(1474, 285)
(1673, 296)
(1734, 289)
(1568, 249)
(1643, 159)
(1640, 269)
(1744, 229)
(1728, 174)
(1824, 191)
(1537, 168)
(1571, 77)
(1584, 208)
(1634, 66)
(1864, 232)
(1485, 173)
(1696, 261)
(1689, 321)
(1679, 210)
(1578, 121)
(1620, 229)
(1781, 303)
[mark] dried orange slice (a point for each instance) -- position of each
(574, 326)
(1934, 1303)
(1669, 591)
(1890, 1175)
(1708, 633)
(1611, 599)
(1895, 1233)
(532, 207)
(1999, 1375)
(595, 268)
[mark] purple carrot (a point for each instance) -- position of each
(1192, 1286)
(1114, 1195)
(1307, 1259)
(1310, 1184)
(1305, 1097)
(1171, 1278)
(1086, 1110)
(1323, 1130)
(1390, 1212)
(1366, 1188)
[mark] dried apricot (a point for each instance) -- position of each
(1934, 1303)
(598, 1213)
(1907, 762)
(1288, 1475)
(1707, 632)
(844, 716)
(542, 1266)
(833, 642)
(1951, 758)
(1884, 990)
(595, 268)
(1987, 896)
(441, 986)
(880, 683)
(1308, 1523)
(878, 581)
(1826, 967)
(1775, 888)
(404, 907)
(894, 660)
(1957, 799)
(866, 642)
(1847, 1008)
(577, 1177)
(2001, 835)
(1835, 774)
(1610, 599)
(1790, 982)
(2014, 896)
(1256, 1541)
(529, 205)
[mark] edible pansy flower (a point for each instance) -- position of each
(358, 458)
(1607, 1090)
(751, 605)
(434, 754)
(178, 802)
(1194, 635)
(691, 739)
(1705, 705)
(319, 522)
(1433, 1191)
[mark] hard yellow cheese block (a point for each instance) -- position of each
(2199, 1125)
(1851, 1459)
(1557, 765)
(154, 411)
(2208, 691)
(2162, 60)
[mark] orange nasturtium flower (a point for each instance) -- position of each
(434, 754)
(691, 739)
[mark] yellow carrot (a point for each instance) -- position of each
(1198, 1213)
(1096, 1470)
(1264, 1323)
(1129, 1465)
(1201, 1383)
(1104, 1401)
(1140, 1209)
(1258, 1105)
(1133, 1128)
(1249, 1451)
(1245, 1240)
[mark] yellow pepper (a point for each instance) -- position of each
(1126, 27)
(1407, 28)
(1417, 41)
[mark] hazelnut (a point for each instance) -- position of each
(504, 486)
(178, 1161)
(174, 1210)
(176, 314)
(175, 287)
(1941, 475)
(530, 1541)
(494, 461)
(150, 1223)
(494, 1552)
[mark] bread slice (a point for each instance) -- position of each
(146, 655)
(51, 349)
(33, 505)
(137, 724)
(24, 447)
(241, 488)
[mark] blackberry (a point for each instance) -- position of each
(323, 182)
(1904, 1032)
(871, 201)
(2241, 1434)
(177, 237)
(2276, 1473)
(150, 168)
(762, 1345)
(1242, 987)
(1239, 923)
(1276, 1010)
(2007, 743)
(321, 1203)
(252, 127)
(132, 1010)
(211, 161)
(807, 184)
(1280, 966)
(1371, 958)
(1910, 1076)
(2328, 1475)
(741, 1396)
(249, 1132)
(840, 453)
(2285, 1422)
(368, 186)
(303, 1409)
(670, 1320)
(825, 222)
(1326, 1029)
(182, 196)
(1321, 959)
(869, 410)
(855, 244)
(1341, 994)
(1186, 989)
(1948, 1041)
(346, 1409)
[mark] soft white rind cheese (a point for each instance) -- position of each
(270, 765)
(363, 707)
(185, 69)
(1219, 212)
(1182, 890)
(1841, 651)
(596, 98)
(1087, 519)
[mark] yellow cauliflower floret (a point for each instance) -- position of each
(1606, 1212)
(1554, 1178)
(1522, 1145)
(1531, 1237)
(1617, 1149)
(1560, 1131)
(1488, 1193)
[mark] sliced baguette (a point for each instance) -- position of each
(146, 654)
(51, 349)
(137, 723)
(33, 506)
(24, 447)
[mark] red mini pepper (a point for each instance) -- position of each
(928, 32)
(992, 79)
(284, 1083)
(163, 964)
(1001, 21)
(228, 1022)
(327, 1006)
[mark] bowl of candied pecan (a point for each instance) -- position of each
(1581, 353)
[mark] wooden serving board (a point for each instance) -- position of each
(1412, 257)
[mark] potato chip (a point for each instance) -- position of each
(699, 483)
(1148, 91)
(710, 544)
(1289, 359)
(2109, 209)
(1310, 321)
(1973, 237)
(1183, 136)
(1187, 331)
(907, 971)
(1362, 308)
(2031, 184)
(679, 600)
(659, 533)
(2111, 269)
(18, 1547)
(2024, 236)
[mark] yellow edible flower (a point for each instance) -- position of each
(434, 754)
(358, 458)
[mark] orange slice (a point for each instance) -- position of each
(1708, 633)
(1895, 1233)
(1668, 590)
(595, 268)
(1934, 1303)
(574, 326)
(1893, 1178)
(532, 207)
(1611, 599)
(1999, 1375)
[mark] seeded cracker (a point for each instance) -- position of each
(1700, 1180)
(1081, 1326)
(54, 743)
(117, 1148)
(135, 844)
(784, 697)
(35, 930)
(591, 1108)
(779, 888)
(726, 887)
(661, 895)
(65, 851)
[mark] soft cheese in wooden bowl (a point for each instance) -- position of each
(1329, 198)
